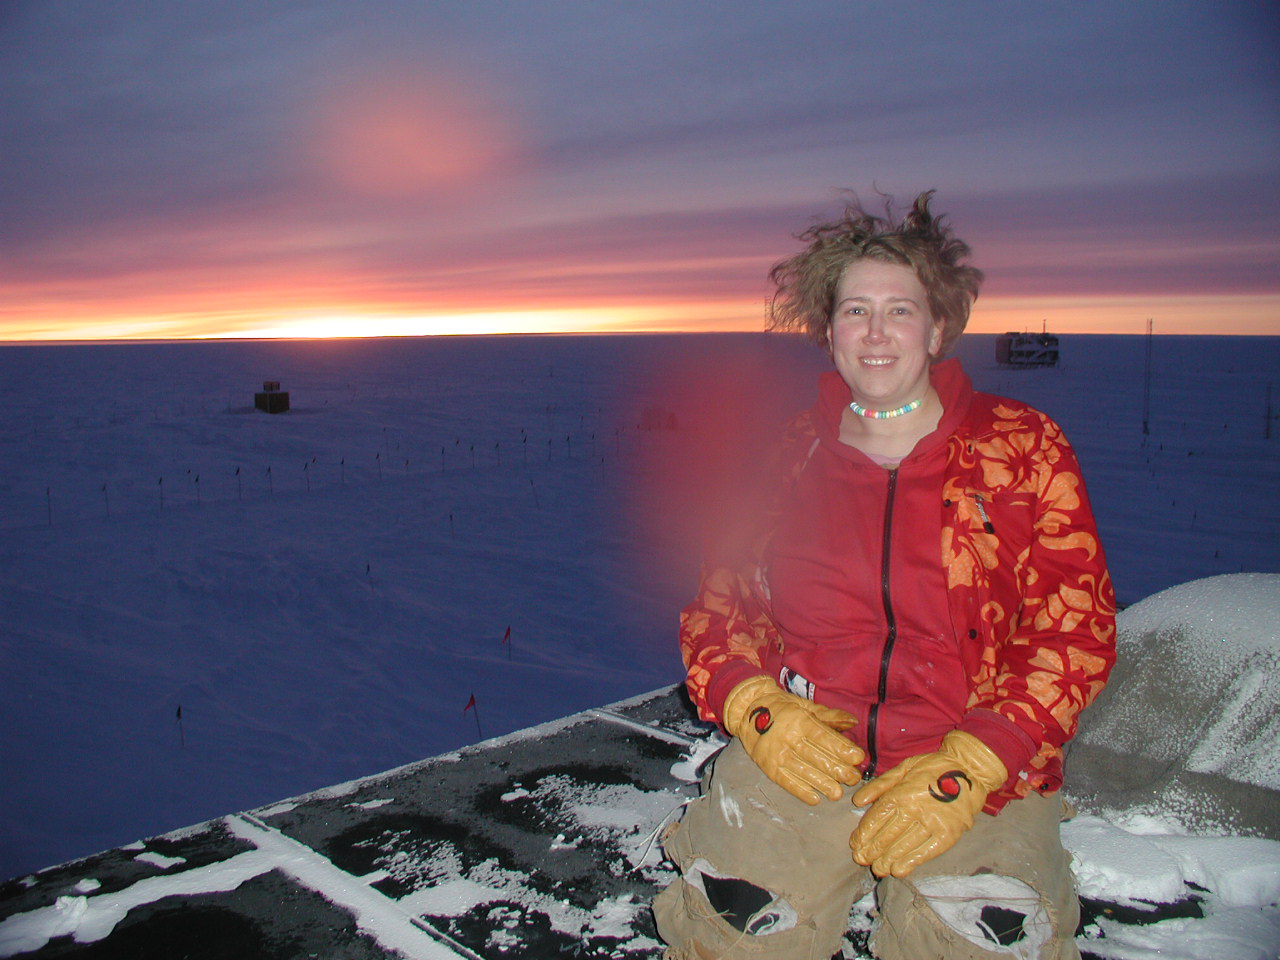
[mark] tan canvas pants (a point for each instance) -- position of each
(763, 874)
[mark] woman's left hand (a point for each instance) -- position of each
(924, 805)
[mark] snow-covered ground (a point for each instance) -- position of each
(1180, 802)
(205, 608)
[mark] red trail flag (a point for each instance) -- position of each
(471, 705)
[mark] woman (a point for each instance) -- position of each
(904, 657)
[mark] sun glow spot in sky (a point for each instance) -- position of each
(407, 132)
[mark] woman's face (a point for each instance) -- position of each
(882, 334)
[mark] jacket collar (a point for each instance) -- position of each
(948, 378)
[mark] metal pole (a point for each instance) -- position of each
(1146, 387)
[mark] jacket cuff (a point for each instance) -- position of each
(727, 676)
(1003, 737)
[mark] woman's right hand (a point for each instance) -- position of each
(798, 744)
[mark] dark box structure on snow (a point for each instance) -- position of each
(272, 399)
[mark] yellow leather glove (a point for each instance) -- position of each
(924, 805)
(794, 740)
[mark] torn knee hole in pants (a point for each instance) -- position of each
(1001, 914)
(744, 906)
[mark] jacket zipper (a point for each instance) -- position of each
(891, 635)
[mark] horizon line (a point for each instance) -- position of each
(105, 341)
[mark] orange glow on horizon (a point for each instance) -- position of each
(1238, 315)
(355, 322)
(580, 320)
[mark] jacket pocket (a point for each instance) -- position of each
(1010, 517)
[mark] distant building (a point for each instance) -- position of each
(1027, 349)
(272, 399)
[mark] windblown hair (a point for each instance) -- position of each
(806, 283)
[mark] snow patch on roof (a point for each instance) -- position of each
(1238, 612)
(1198, 679)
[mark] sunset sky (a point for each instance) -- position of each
(252, 168)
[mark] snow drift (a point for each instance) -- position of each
(1189, 723)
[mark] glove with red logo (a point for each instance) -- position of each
(793, 740)
(924, 805)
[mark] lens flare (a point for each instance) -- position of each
(404, 133)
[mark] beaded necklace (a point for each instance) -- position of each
(862, 411)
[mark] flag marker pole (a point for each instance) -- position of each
(471, 705)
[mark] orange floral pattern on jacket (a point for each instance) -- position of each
(1026, 575)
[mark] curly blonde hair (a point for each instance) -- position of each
(806, 283)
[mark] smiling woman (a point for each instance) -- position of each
(882, 335)
(919, 613)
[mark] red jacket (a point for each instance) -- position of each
(966, 589)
